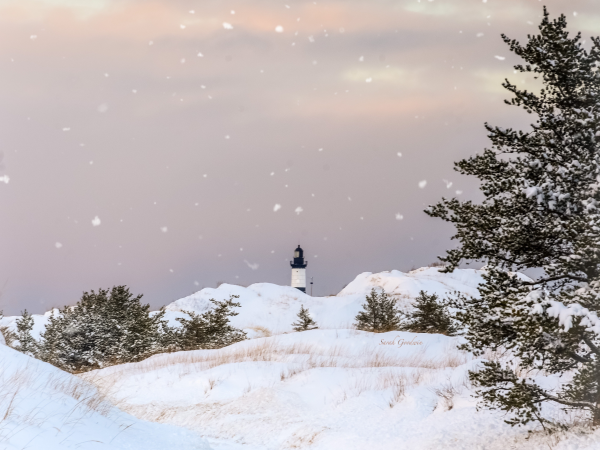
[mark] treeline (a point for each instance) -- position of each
(113, 327)
(380, 314)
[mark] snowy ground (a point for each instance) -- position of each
(331, 388)
(44, 408)
(321, 389)
(270, 309)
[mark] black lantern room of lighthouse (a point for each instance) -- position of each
(299, 270)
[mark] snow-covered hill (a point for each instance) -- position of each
(44, 408)
(331, 388)
(270, 309)
(323, 390)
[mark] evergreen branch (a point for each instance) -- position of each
(556, 278)
(591, 345)
(590, 405)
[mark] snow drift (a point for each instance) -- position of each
(271, 309)
(322, 390)
(44, 408)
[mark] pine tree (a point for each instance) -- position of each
(379, 313)
(8, 335)
(428, 316)
(541, 193)
(102, 329)
(27, 344)
(304, 322)
(210, 329)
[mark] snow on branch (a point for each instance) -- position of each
(565, 313)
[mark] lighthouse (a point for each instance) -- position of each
(299, 270)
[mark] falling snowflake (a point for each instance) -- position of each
(58, 245)
(164, 229)
(459, 192)
(33, 37)
(103, 108)
(501, 58)
(200, 55)
(368, 80)
(227, 26)
(298, 210)
(96, 221)
(361, 59)
(66, 129)
(399, 155)
(4, 179)
(279, 29)
(277, 207)
(399, 216)
(253, 266)
(422, 184)
(182, 26)
(448, 184)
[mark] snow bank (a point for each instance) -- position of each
(322, 389)
(271, 309)
(44, 408)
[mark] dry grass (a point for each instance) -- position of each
(9, 336)
(302, 356)
(21, 387)
(261, 331)
(375, 369)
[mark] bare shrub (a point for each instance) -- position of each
(448, 390)
(261, 330)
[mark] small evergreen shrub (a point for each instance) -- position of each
(428, 316)
(102, 329)
(9, 335)
(304, 322)
(210, 329)
(26, 343)
(379, 313)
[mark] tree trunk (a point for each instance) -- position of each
(596, 421)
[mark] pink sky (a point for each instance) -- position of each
(108, 111)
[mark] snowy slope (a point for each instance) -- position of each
(271, 309)
(322, 389)
(44, 408)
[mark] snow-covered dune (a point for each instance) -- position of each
(269, 308)
(44, 408)
(322, 390)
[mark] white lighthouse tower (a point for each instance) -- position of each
(299, 270)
